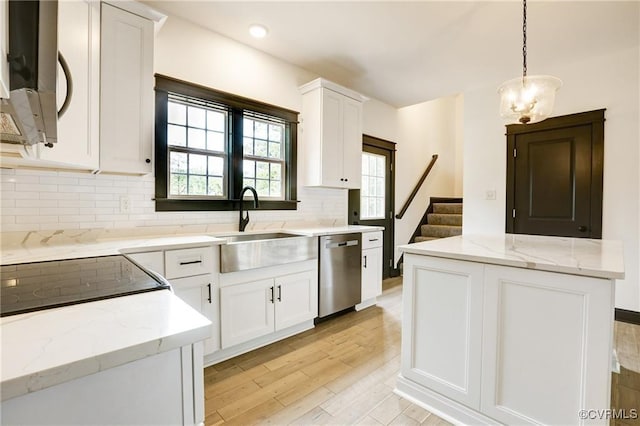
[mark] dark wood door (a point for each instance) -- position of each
(554, 177)
(382, 214)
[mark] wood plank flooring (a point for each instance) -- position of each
(341, 372)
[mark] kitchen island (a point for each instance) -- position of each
(511, 329)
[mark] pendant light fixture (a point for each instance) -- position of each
(527, 99)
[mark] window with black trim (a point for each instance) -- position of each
(210, 144)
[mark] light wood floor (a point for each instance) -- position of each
(341, 372)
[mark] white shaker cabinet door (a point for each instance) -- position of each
(371, 273)
(127, 107)
(546, 354)
(296, 299)
(442, 326)
(246, 311)
(78, 127)
(352, 142)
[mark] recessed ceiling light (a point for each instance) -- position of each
(258, 31)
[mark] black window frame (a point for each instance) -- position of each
(236, 104)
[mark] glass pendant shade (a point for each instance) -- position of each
(528, 99)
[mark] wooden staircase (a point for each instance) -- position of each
(444, 220)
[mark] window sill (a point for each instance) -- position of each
(182, 205)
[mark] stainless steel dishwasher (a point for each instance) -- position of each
(339, 273)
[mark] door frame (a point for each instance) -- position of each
(596, 120)
(389, 146)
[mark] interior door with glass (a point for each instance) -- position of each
(372, 204)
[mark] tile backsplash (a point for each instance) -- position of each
(46, 200)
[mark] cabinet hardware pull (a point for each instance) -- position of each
(365, 261)
(209, 288)
(272, 293)
(191, 262)
(279, 293)
(148, 161)
(373, 239)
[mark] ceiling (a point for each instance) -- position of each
(404, 53)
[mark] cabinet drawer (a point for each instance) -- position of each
(188, 262)
(371, 239)
(153, 260)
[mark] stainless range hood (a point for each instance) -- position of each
(30, 115)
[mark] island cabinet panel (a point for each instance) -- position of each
(152, 390)
(442, 326)
(543, 357)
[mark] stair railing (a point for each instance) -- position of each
(407, 203)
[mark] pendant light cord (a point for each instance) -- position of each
(524, 39)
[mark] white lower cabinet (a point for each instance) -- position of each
(192, 273)
(252, 309)
(371, 265)
(487, 344)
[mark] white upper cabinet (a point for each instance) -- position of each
(127, 107)
(331, 135)
(78, 126)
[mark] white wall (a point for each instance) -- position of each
(610, 81)
(48, 201)
(423, 130)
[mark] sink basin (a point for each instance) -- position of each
(238, 238)
(251, 251)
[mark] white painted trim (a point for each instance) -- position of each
(439, 405)
(321, 82)
(259, 342)
(366, 304)
(141, 10)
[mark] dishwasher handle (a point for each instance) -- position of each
(349, 243)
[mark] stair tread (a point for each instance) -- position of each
(447, 208)
(453, 219)
(420, 239)
(440, 230)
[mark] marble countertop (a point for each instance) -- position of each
(44, 348)
(576, 256)
(51, 251)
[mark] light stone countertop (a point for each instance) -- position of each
(576, 256)
(44, 348)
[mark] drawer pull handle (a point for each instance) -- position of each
(365, 261)
(191, 262)
(272, 294)
(279, 293)
(209, 288)
(374, 239)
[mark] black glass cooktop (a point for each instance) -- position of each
(35, 286)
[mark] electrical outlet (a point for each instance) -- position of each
(490, 194)
(125, 204)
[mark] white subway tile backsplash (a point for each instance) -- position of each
(36, 187)
(33, 200)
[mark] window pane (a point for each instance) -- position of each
(364, 187)
(262, 170)
(178, 184)
(197, 185)
(176, 135)
(247, 128)
(276, 172)
(197, 165)
(196, 138)
(196, 117)
(380, 187)
(276, 188)
(261, 148)
(178, 162)
(177, 113)
(372, 187)
(275, 132)
(261, 130)
(249, 168)
(247, 146)
(262, 186)
(215, 121)
(215, 141)
(216, 166)
(380, 207)
(364, 207)
(274, 150)
(214, 186)
(365, 164)
(249, 182)
(380, 166)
